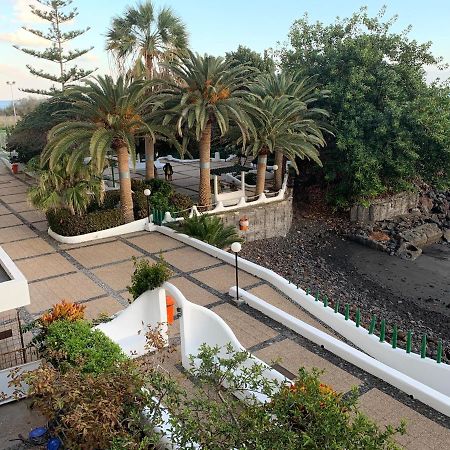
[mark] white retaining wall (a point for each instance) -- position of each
(14, 293)
(5, 379)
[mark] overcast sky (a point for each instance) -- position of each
(214, 27)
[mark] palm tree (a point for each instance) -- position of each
(110, 115)
(57, 188)
(286, 127)
(293, 86)
(208, 91)
(145, 38)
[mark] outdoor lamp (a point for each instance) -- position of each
(236, 248)
(274, 167)
(147, 193)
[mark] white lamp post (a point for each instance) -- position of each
(236, 248)
(147, 193)
(11, 84)
(274, 167)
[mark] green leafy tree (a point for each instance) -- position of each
(244, 55)
(29, 136)
(110, 115)
(208, 91)
(53, 12)
(144, 38)
(378, 93)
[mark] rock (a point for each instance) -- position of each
(409, 251)
(425, 203)
(446, 235)
(423, 234)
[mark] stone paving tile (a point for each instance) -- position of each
(27, 248)
(14, 198)
(15, 233)
(154, 242)
(44, 266)
(270, 295)
(248, 330)
(13, 189)
(421, 432)
(21, 206)
(4, 210)
(103, 253)
(193, 292)
(41, 226)
(117, 276)
(74, 287)
(187, 259)
(223, 277)
(8, 220)
(293, 356)
(33, 216)
(101, 306)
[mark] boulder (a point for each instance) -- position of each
(409, 251)
(425, 234)
(446, 236)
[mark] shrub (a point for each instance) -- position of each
(62, 222)
(148, 277)
(93, 411)
(159, 199)
(63, 311)
(181, 202)
(69, 344)
(111, 200)
(210, 229)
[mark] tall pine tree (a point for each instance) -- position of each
(68, 73)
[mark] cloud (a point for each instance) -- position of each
(22, 11)
(23, 37)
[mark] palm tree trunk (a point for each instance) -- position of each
(126, 200)
(204, 189)
(149, 158)
(261, 172)
(279, 161)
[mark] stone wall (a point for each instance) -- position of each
(265, 221)
(386, 208)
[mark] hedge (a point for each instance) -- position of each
(62, 222)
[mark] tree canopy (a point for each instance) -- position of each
(244, 55)
(391, 128)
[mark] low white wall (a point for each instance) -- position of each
(397, 378)
(129, 328)
(132, 227)
(424, 370)
(14, 293)
(5, 379)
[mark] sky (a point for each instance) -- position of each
(214, 27)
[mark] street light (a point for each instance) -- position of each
(236, 248)
(274, 167)
(11, 84)
(147, 193)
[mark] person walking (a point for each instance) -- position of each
(168, 171)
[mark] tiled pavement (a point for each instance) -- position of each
(96, 274)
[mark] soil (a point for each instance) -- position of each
(315, 254)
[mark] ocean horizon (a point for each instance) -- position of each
(5, 103)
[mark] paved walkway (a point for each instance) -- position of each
(97, 274)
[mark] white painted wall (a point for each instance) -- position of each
(13, 293)
(129, 328)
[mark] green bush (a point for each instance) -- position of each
(62, 222)
(181, 202)
(148, 277)
(159, 198)
(111, 200)
(76, 344)
(209, 229)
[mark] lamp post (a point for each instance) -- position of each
(147, 193)
(236, 248)
(11, 84)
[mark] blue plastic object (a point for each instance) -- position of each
(38, 435)
(54, 444)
